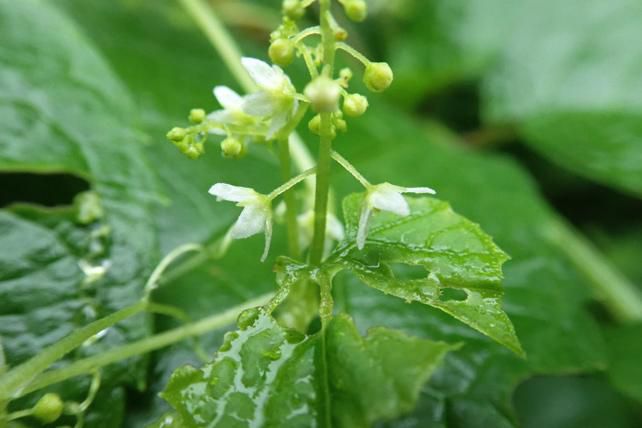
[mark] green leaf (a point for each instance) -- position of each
(454, 255)
(445, 42)
(625, 348)
(62, 110)
(266, 376)
(576, 104)
(544, 296)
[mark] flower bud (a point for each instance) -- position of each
(345, 74)
(340, 125)
(176, 134)
(231, 148)
(195, 151)
(356, 10)
(315, 125)
(48, 409)
(378, 76)
(292, 9)
(323, 94)
(281, 52)
(354, 105)
(197, 115)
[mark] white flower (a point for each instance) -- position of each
(333, 230)
(385, 197)
(276, 96)
(256, 216)
(232, 112)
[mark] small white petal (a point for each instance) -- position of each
(388, 199)
(426, 190)
(261, 72)
(229, 99)
(278, 122)
(227, 192)
(335, 228)
(259, 104)
(362, 231)
(268, 238)
(222, 116)
(251, 221)
(217, 131)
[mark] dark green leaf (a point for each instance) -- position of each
(568, 77)
(266, 376)
(454, 256)
(625, 348)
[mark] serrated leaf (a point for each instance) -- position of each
(265, 376)
(455, 254)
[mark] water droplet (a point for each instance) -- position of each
(248, 317)
(293, 336)
(227, 341)
(273, 354)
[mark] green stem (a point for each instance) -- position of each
(91, 364)
(290, 202)
(17, 378)
(325, 147)
(621, 298)
(216, 33)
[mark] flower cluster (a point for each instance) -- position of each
(275, 109)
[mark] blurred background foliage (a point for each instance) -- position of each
(525, 114)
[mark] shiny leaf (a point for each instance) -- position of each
(460, 266)
(265, 376)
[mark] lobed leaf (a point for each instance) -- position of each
(455, 254)
(267, 376)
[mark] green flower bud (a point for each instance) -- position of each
(292, 9)
(356, 10)
(197, 115)
(176, 134)
(194, 151)
(48, 409)
(378, 76)
(354, 105)
(281, 52)
(231, 148)
(345, 74)
(323, 94)
(340, 125)
(315, 125)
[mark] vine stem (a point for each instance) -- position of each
(17, 378)
(613, 289)
(325, 147)
(290, 202)
(91, 364)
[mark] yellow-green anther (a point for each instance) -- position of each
(292, 9)
(281, 52)
(176, 134)
(356, 10)
(197, 115)
(323, 94)
(354, 105)
(231, 148)
(315, 125)
(48, 409)
(378, 76)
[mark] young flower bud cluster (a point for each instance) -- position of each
(357, 10)
(274, 110)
